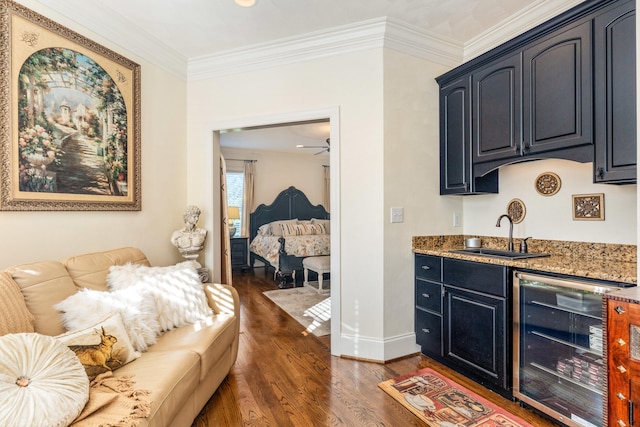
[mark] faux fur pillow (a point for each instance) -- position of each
(177, 292)
(136, 306)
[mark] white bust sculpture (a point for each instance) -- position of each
(190, 240)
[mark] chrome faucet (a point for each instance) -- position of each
(510, 229)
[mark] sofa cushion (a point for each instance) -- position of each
(171, 376)
(102, 347)
(90, 270)
(43, 285)
(209, 338)
(14, 314)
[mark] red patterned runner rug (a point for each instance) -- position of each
(441, 402)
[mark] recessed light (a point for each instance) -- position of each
(245, 3)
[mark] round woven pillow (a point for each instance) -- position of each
(42, 382)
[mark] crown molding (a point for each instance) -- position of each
(526, 19)
(101, 20)
(360, 36)
(318, 44)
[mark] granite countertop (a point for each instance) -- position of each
(603, 261)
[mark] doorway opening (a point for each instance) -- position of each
(256, 139)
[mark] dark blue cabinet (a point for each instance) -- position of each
(615, 77)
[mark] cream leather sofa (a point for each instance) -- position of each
(187, 364)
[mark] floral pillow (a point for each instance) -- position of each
(102, 347)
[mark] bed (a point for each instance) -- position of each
(285, 232)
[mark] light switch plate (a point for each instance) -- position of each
(397, 215)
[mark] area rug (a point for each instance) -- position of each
(441, 402)
(310, 309)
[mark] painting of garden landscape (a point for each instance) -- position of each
(70, 119)
(72, 126)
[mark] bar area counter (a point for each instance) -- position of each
(602, 261)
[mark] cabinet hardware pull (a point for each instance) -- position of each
(600, 172)
(621, 423)
(621, 342)
(631, 413)
(622, 369)
(426, 267)
(620, 396)
(619, 309)
(525, 147)
(426, 295)
(426, 331)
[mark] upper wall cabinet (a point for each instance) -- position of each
(615, 77)
(497, 108)
(533, 98)
(455, 150)
(557, 93)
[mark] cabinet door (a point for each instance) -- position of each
(497, 110)
(557, 91)
(615, 77)
(455, 143)
(475, 336)
(429, 332)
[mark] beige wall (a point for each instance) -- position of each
(277, 171)
(353, 84)
(34, 236)
(411, 181)
(550, 217)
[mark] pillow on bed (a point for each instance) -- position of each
(264, 230)
(276, 226)
(302, 229)
(324, 222)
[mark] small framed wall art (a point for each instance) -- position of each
(588, 207)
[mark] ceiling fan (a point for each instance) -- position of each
(324, 148)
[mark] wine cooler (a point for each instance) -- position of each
(558, 359)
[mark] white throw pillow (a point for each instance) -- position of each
(137, 308)
(42, 383)
(176, 290)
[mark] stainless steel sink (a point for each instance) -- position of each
(496, 253)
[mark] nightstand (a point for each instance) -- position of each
(239, 253)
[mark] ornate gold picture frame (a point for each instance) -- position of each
(70, 123)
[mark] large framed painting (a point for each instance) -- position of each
(70, 122)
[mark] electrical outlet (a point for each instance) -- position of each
(397, 215)
(456, 219)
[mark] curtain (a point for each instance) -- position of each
(326, 194)
(248, 195)
(225, 242)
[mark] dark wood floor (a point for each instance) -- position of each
(284, 377)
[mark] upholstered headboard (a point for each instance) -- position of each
(290, 203)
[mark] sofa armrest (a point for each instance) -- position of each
(222, 298)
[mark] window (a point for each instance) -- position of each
(235, 188)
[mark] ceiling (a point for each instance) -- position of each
(203, 28)
(195, 28)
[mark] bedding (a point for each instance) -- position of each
(268, 247)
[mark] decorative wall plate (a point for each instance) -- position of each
(516, 210)
(588, 207)
(548, 184)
